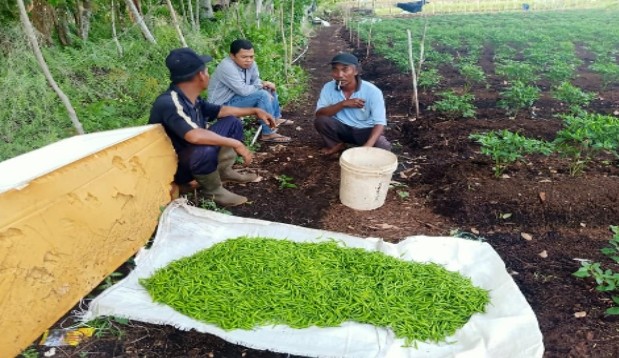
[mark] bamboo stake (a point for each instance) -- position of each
(367, 52)
(413, 73)
(422, 47)
(175, 21)
(119, 47)
(41, 60)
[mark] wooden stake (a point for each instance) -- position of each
(414, 74)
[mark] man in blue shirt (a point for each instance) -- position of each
(350, 110)
(205, 153)
(236, 82)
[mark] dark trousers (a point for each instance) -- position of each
(334, 132)
(202, 159)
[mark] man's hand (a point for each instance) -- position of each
(268, 85)
(267, 118)
(244, 152)
(354, 103)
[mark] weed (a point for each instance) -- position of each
(209, 204)
(29, 352)
(607, 280)
(285, 182)
(108, 326)
(403, 194)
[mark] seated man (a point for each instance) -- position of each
(349, 109)
(236, 82)
(206, 155)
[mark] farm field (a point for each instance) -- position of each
(543, 213)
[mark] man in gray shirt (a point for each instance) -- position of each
(236, 82)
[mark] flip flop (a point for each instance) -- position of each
(283, 122)
(276, 139)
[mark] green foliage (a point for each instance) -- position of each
(108, 326)
(609, 71)
(607, 280)
(429, 78)
(286, 182)
(110, 91)
(514, 71)
(473, 74)
(248, 282)
(454, 106)
(506, 147)
(573, 97)
(584, 136)
(30, 352)
(209, 204)
(518, 96)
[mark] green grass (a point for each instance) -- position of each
(110, 91)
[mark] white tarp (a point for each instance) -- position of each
(509, 327)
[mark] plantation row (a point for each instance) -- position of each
(531, 55)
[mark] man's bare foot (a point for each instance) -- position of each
(336, 149)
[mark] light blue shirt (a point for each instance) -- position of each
(371, 114)
(229, 80)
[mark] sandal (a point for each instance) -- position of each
(283, 122)
(275, 138)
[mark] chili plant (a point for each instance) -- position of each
(506, 147)
(585, 136)
(514, 71)
(454, 106)
(429, 78)
(248, 282)
(473, 74)
(608, 70)
(518, 96)
(607, 280)
(573, 97)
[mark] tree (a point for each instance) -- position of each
(41, 60)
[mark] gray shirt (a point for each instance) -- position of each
(229, 80)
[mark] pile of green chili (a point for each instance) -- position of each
(249, 282)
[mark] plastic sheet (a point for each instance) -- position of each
(509, 327)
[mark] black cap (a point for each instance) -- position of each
(345, 59)
(184, 63)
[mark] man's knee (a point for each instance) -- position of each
(203, 159)
(383, 143)
(322, 122)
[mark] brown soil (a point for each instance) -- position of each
(450, 186)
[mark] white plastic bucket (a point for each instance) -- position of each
(365, 176)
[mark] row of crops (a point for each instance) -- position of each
(519, 57)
